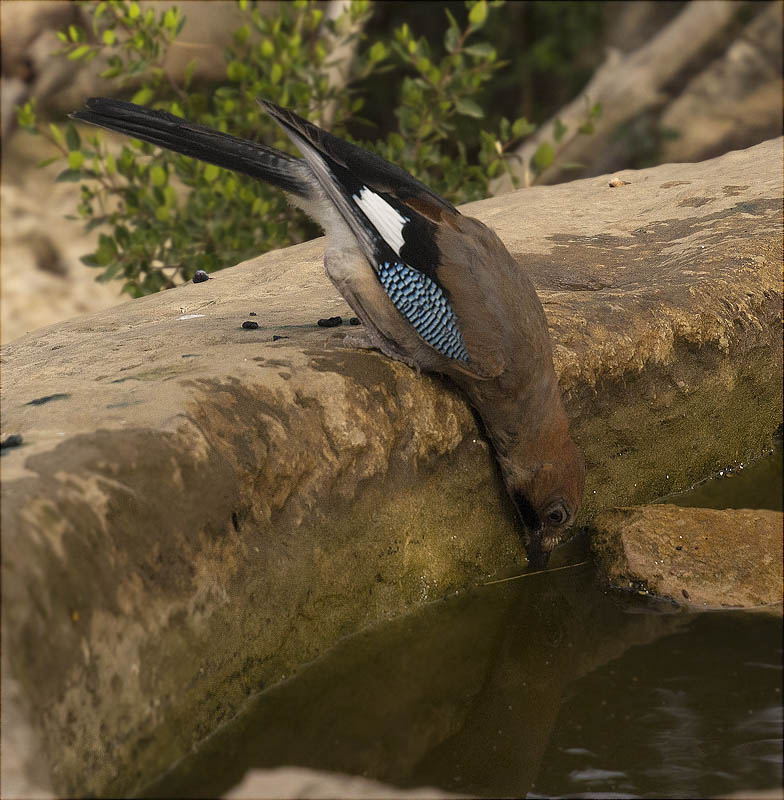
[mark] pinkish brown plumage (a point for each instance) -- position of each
(434, 289)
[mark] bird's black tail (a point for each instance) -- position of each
(174, 133)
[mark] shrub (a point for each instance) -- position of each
(164, 215)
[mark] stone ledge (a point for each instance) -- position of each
(698, 557)
(198, 509)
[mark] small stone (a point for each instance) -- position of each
(678, 547)
(354, 321)
(250, 325)
(200, 276)
(252, 314)
(616, 182)
(14, 440)
(331, 322)
(685, 593)
(276, 338)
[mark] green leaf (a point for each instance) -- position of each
(108, 37)
(75, 159)
(543, 157)
(481, 50)
(242, 34)
(158, 175)
(47, 161)
(72, 138)
(451, 39)
(586, 128)
(110, 272)
(134, 10)
(73, 175)
(453, 23)
(522, 127)
(468, 108)
(559, 129)
(80, 52)
(235, 71)
(143, 96)
(478, 14)
(57, 133)
(378, 52)
(211, 172)
(189, 70)
(94, 223)
(171, 18)
(276, 73)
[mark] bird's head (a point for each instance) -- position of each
(547, 497)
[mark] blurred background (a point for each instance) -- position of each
(586, 88)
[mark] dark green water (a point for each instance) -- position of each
(544, 685)
(756, 486)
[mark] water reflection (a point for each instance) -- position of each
(544, 685)
(696, 714)
(464, 694)
(755, 486)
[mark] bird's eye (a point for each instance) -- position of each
(557, 515)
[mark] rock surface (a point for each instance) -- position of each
(298, 782)
(197, 509)
(698, 557)
(736, 99)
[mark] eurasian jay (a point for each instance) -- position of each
(434, 289)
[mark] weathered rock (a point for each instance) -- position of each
(736, 100)
(197, 509)
(698, 557)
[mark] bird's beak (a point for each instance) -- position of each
(534, 550)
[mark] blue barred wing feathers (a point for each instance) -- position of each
(423, 303)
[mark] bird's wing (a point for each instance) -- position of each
(396, 220)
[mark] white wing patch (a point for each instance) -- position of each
(386, 220)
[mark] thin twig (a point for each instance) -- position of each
(538, 572)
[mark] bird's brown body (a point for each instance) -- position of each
(513, 387)
(434, 289)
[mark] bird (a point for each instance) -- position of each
(434, 288)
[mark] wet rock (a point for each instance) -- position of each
(177, 530)
(708, 558)
(200, 276)
(330, 322)
(250, 325)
